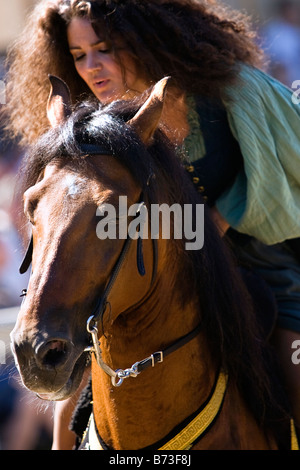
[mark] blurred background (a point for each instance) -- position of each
(25, 423)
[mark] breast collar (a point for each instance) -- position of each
(184, 436)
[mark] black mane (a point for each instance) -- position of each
(226, 310)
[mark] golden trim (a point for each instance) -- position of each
(294, 440)
(186, 437)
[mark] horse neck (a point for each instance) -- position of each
(130, 417)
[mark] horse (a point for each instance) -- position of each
(177, 357)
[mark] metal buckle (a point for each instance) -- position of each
(161, 358)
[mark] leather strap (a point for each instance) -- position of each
(27, 258)
(159, 356)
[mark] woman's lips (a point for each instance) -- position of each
(101, 83)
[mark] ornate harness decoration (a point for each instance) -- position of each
(184, 439)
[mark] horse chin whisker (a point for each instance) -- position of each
(34, 401)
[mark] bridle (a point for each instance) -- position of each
(117, 376)
(100, 309)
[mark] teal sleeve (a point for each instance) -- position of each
(264, 200)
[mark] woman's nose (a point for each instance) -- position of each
(93, 62)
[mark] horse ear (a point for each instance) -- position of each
(59, 101)
(147, 118)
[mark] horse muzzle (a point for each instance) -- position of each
(51, 367)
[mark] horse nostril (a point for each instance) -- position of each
(54, 353)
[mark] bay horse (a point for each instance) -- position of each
(181, 363)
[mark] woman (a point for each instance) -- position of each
(236, 127)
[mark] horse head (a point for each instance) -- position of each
(70, 264)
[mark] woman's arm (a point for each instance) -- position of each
(63, 437)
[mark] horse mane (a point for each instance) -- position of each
(225, 308)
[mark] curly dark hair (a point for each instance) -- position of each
(198, 43)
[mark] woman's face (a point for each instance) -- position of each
(95, 63)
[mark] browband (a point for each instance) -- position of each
(95, 149)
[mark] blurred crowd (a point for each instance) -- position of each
(22, 425)
(280, 38)
(25, 424)
(10, 246)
